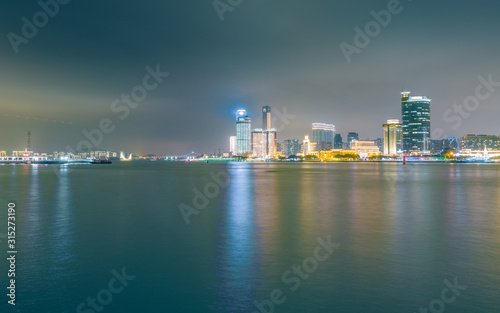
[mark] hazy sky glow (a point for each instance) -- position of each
(281, 53)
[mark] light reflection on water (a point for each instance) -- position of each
(402, 230)
(237, 241)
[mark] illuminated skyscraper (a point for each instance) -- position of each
(259, 143)
(271, 134)
(416, 112)
(338, 144)
(232, 145)
(243, 133)
(291, 147)
(323, 135)
(279, 147)
(352, 136)
(266, 117)
(263, 142)
(393, 137)
(308, 147)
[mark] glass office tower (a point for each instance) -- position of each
(416, 112)
(323, 135)
(243, 133)
(266, 117)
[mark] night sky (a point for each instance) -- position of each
(281, 53)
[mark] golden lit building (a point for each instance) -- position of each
(308, 147)
(22, 153)
(338, 154)
(393, 137)
(365, 149)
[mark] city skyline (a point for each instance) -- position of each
(320, 134)
(313, 138)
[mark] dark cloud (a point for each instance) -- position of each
(278, 53)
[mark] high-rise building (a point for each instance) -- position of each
(352, 136)
(416, 112)
(266, 117)
(279, 147)
(243, 133)
(232, 145)
(291, 147)
(393, 137)
(259, 143)
(271, 135)
(263, 142)
(308, 146)
(323, 135)
(337, 142)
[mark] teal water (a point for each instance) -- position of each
(402, 234)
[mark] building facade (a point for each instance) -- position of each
(323, 135)
(232, 145)
(416, 113)
(291, 147)
(337, 142)
(264, 143)
(365, 148)
(440, 145)
(266, 117)
(379, 142)
(271, 135)
(308, 146)
(259, 143)
(480, 142)
(393, 137)
(352, 136)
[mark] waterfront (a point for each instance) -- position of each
(402, 231)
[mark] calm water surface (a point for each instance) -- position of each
(402, 231)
